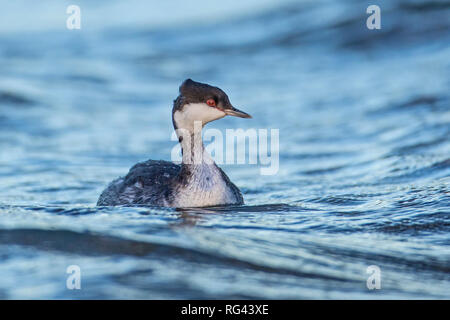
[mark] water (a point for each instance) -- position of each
(364, 120)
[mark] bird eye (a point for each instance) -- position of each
(211, 102)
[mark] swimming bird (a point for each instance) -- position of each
(197, 181)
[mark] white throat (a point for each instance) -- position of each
(205, 183)
(196, 112)
(190, 121)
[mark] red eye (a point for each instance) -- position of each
(211, 102)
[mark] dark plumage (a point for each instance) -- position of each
(164, 183)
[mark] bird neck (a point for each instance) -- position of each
(197, 164)
(192, 147)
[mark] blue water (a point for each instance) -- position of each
(364, 175)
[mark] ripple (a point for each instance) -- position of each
(364, 155)
(8, 98)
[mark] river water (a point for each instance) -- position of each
(364, 149)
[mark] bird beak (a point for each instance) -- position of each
(232, 111)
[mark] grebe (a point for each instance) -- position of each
(198, 181)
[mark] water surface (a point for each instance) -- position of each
(364, 177)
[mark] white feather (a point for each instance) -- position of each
(193, 112)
